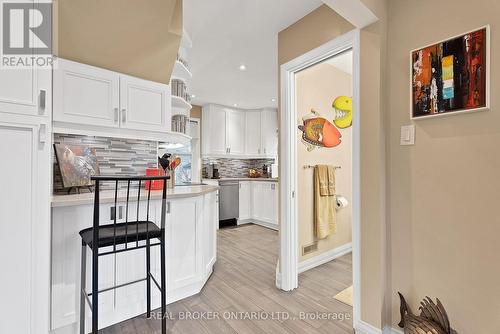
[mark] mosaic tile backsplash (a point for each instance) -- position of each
(235, 167)
(115, 156)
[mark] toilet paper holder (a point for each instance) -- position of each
(341, 202)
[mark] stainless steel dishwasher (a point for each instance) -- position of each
(229, 203)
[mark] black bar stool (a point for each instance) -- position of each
(123, 234)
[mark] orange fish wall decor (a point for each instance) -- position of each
(318, 132)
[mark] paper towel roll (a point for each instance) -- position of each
(342, 202)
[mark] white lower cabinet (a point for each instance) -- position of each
(245, 200)
(259, 203)
(191, 225)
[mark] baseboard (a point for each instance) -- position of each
(325, 257)
(258, 222)
(365, 328)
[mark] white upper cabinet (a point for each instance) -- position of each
(26, 91)
(89, 96)
(86, 95)
(235, 132)
(214, 130)
(229, 132)
(270, 132)
(253, 133)
(144, 104)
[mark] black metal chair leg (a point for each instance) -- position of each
(95, 289)
(148, 279)
(163, 286)
(83, 297)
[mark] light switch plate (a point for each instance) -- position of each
(408, 135)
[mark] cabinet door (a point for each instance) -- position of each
(26, 90)
(253, 133)
(275, 204)
(24, 229)
(210, 223)
(245, 200)
(270, 132)
(85, 94)
(184, 247)
(235, 132)
(257, 200)
(145, 105)
(214, 131)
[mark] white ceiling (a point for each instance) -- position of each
(228, 33)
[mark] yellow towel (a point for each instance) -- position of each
(324, 206)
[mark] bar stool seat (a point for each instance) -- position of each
(121, 233)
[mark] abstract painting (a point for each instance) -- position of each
(451, 76)
(77, 164)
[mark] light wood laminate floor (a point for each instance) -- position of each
(243, 282)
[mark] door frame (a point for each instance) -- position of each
(287, 278)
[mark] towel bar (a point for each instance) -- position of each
(311, 166)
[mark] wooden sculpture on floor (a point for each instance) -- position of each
(433, 318)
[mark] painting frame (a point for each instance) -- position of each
(70, 176)
(487, 105)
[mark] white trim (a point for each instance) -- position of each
(488, 78)
(323, 258)
(288, 168)
(365, 328)
(354, 11)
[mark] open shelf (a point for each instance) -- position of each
(180, 103)
(181, 72)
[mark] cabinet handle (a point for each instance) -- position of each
(43, 101)
(168, 207)
(265, 151)
(116, 115)
(42, 134)
(124, 115)
(259, 151)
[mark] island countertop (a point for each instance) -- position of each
(108, 196)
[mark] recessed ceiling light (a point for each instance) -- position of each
(243, 67)
(193, 96)
(235, 105)
(273, 100)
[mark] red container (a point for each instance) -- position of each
(156, 184)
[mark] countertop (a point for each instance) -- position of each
(262, 179)
(109, 196)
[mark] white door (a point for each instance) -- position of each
(245, 200)
(144, 105)
(86, 94)
(214, 131)
(270, 132)
(24, 229)
(235, 132)
(253, 133)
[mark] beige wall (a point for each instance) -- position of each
(315, 29)
(196, 112)
(444, 190)
(317, 87)
(139, 38)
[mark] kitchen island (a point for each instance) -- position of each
(190, 228)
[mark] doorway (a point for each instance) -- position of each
(292, 157)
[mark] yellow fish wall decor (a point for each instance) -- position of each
(343, 111)
(319, 132)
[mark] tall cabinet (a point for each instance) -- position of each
(25, 173)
